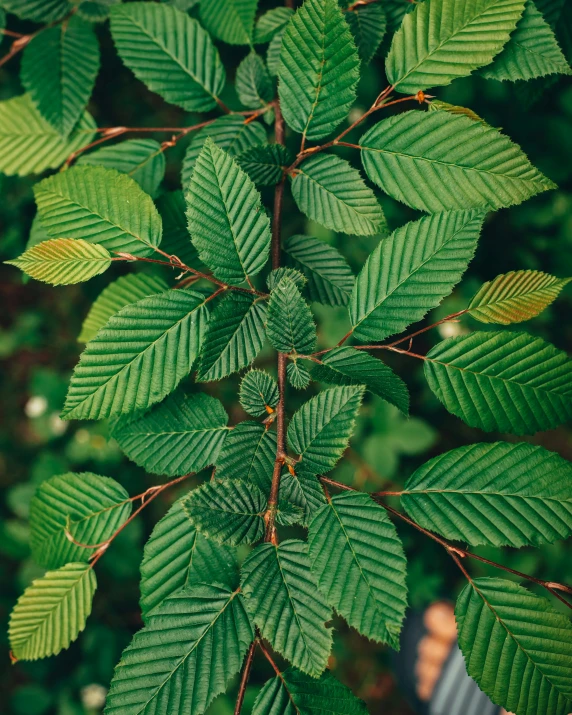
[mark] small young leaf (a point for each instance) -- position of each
(258, 393)
(303, 490)
(265, 164)
(290, 326)
(368, 24)
(436, 105)
(270, 23)
(298, 376)
(248, 453)
(289, 514)
(254, 85)
(231, 21)
(275, 276)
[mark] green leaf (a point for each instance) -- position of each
(270, 23)
(228, 225)
(348, 366)
(254, 85)
(332, 193)
(290, 325)
(320, 430)
(176, 238)
(274, 51)
(177, 556)
(29, 144)
(532, 51)
(265, 164)
(52, 612)
(504, 630)
(443, 151)
(360, 566)
(497, 494)
(319, 69)
(436, 105)
(330, 279)
(551, 10)
(59, 67)
(275, 276)
(95, 10)
(191, 647)
(258, 393)
(368, 24)
(141, 159)
(283, 599)
(231, 21)
(293, 692)
(124, 291)
(510, 382)
(38, 10)
(516, 296)
(288, 514)
(297, 374)
(62, 261)
(248, 453)
(445, 39)
(235, 336)
(87, 506)
(139, 357)
(170, 52)
(230, 511)
(303, 490)
(101, 206)
(182, 434)
(410, 273)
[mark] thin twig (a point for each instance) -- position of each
(245, 675)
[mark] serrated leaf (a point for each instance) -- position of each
(254, 85)
(551, 10)
(348, 366)
(231, 21)
(139, 357)
(170, 52)
(297, 374)
(360, 566)
(290, 326)
(515, 297)
(38, 10)
(436, 105)
(445, 39)
(176, 238)
(270, 23)
(85, 505)
(177, 556)
(411, 272)
(527, 641)
(51, 612)
(274, 51)
(59, 67)
(191, 647)
(319, 431)
(265, 164)
(228, 225)
(368, 24)
(229, 512)
(283, 599)
(319, 69)
(288, 514)
(303, 490)
(497, 494)
(235, 336)
(510, 382)
(63, 261)
(258, 393)
(182, 434)
(332, 193)
(275, 276)
(101, 206)
(457, 163)
(248, 453)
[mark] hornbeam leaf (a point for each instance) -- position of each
(360, 566)
(303, 490)
(63, 261)
(88, 507)
(258, 393)
(182, 434)
(248, 453)
(298, 376)
(516, 646)
(191, 647)
(368, 24)
(290, 325)
(442, 40)
(284, 602)
(230, 511)
(176, 238)
(319, 69)
(332, 193)
(497, 494)
(436, 105)
(275, 276)
(99, 205)
(411, 272)
(265, 164)
(39, 10)
(228, 225)
(52, 612)
(516, 296)
(511, 382)
(231, 21)
(95, 10)
(457, 163)
(139, 357)
(254, 85)
(270, 23)
(177, 556)
(170, 52)
(274, 51)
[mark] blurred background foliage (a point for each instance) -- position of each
(39, 326)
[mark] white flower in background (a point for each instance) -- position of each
(93, 696)
(36, 406)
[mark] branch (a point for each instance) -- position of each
(245, 675)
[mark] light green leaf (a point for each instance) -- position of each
(228, 225)
(191, 647)
(436, 105)
(231, 21)
(265, 164)
(445, 39)
(270, 23)
(274, 51)
(319, 69)
(497, 494)
(139, 357)
(457, 163)
(284, 602)
(275, 276)
(170, 52)
(248, 453)
(411, 272)
(38, 10)
(510, 382)
(87, 506)
(254, 85)
(176, 238)
(360, 566)
(101, 206)
(368, 24)
(290, 325)
(297, 374)
(258, 393)
(506, 631)
(52, 612)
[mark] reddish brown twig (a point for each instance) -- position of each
(245, 675)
